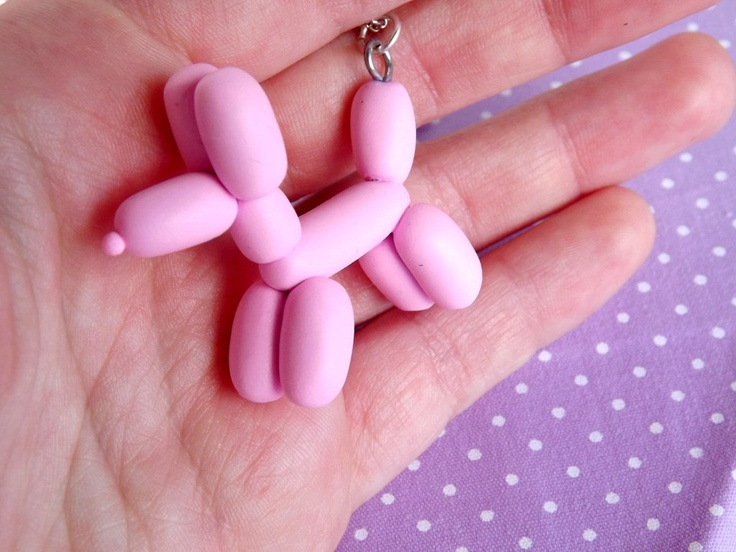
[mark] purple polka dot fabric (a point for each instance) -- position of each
(621, 435)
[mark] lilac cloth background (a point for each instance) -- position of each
(621, 435)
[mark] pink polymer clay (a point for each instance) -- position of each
(240, 133)
(173, 215)
(316, 342)
(179, 102)
(388, 272)
(338, 232)
(267, 228)
(383, 131)
(439, 255)
(254, 344)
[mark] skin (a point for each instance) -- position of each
(118, 426)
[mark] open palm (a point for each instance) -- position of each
(119, 427)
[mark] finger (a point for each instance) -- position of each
(605, 128)
(434, 365)
(262, 36)
(103, 84)
(602, 129)
(448, 55)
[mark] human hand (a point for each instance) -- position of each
(119, 426)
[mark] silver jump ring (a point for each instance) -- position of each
(386, 46)
(375, 26)
(374, 47)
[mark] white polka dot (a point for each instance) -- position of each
(590, 535)
(675, 487)
(573, 471)
(555, 84)
(719, 251)
(602, 348)
(681, 310)
(474, 455)
(449, 490)
(462, 549)
(716, 510)
(698, 364)
(512, 479)
(577, 64)
(525, 543)
(550, 507)
(660, 340)
(388, 499)
(507, 93)
(498, 421)
(635, 463)
(733, 474)
(717, 418)
(545, 356)
(664, 258)
(640, 371)
(696, 452)
(535, 445)
(644, 287)
(693, 27)
(686, 157)
(702, 203)
(361, 534)
(677, 396)
(414, 466)
(683, 230)
(485, 115)
(623, 317)
(718, 333)
(652, 524)
(700, 279)
(558, 412)
(623, 55)
(487, 515)
(424, 525)
(733, 386)
(733, 301)
(581, 380)
(595, 437)
(695, 547)
(521, 388)
(613, 498)
(442, 433)
(725, 43)
(668, 183)
(721, 176)
(618, 404)
(656, 428)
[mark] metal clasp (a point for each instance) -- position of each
(375, 46)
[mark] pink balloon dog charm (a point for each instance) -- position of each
(293, 331)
